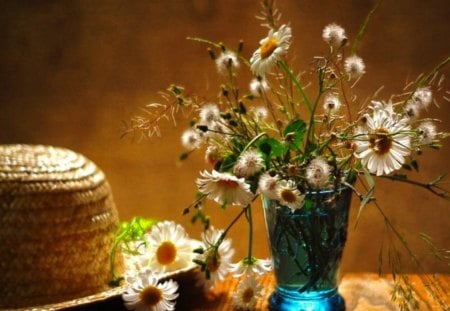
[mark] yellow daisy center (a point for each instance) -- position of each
(150, 296)
(380, 142)
(288, 196)
(247, 295)
(268, 47)
(166, 253)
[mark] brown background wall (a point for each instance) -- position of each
(72, 71)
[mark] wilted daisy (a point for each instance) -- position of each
(331, 104)
(209, 114)
(249, 163)
(427, 133)
(334, 35)
(251, 266)
(268, 186)
(145, 293)
(225, 188)
(354, 66)
(191, 139)
(423, 97)
(212, 154)
(318, 173)
(169, 247)
(272, 48)
(383, 143)
(258, 86)
(217, 260)
(227, 61)
(247, 294)
(289, 195)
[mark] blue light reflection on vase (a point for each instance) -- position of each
(306, 247)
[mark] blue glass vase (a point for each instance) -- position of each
(306, 247)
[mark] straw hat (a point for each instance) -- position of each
(57, 227)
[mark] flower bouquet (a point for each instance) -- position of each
(303, 147)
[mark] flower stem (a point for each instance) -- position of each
(297, 84)
(250, 230)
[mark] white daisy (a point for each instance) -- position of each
(289, 195)
(169, 247)
(209, 114)
(225, 188)
(228, 60)
(427, 133)
(144, 293)
(191, 139)
(272, 48)
(331, 104)
(334, 35)
(318, 173)
(268, 186)
(247, 294)
(354, 66)
(217, 260)
(249, 163)
(258, 86)
(252, 266)
(384, 142)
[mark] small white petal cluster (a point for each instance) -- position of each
(426, 132)
(334, 35)
(249, 163)
(227, 61)
(331, 104)
(209, 114)
(258, 86)
(318, 173)
(192, 139)
(354, 66)
(268, 186)
(420, 100)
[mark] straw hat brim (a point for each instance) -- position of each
(103, 296)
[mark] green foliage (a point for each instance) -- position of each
(128, 232)
(294, 134)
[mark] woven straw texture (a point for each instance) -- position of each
(57, 226)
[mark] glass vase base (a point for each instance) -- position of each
(281, 300)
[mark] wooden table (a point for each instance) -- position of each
(361, 291)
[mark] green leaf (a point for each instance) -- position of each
(308, 204)
(294, 133)
(270, 147)
(228, 163)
